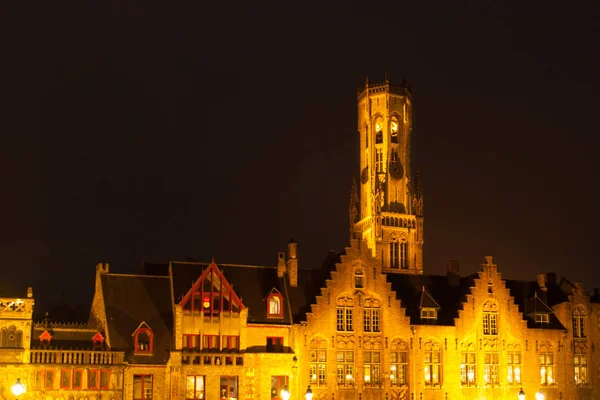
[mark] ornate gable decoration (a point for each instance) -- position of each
(45, 337)
(98, 339)
(211, 294)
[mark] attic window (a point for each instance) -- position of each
(428, 313)
(359, 280)
(143, 340)
(275, 305)
(542, 318)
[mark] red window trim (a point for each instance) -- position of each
(280, 297)
(39, 383)
(187, 341)
(279, 386)
(95, 372)
(227, 342)
(195, 378)
(148, 332)
(64, 372)
(107, 382)
(80, 379)
(211, 342)
(142, 391)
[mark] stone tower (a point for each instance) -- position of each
(389, 215)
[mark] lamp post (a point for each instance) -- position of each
(18, 388)
(521, 394)
(285, 393)
(539, 395)
(308, 394)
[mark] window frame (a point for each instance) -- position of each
(548, 368)
(136, 344)
(230, 378)
(96, 373)
(195, 378)
(187, 341)
(275, 344)
(579, 316)
(430, 366)
(468, 364)
(316, 366)
(80, 373)
(276, 391)
(373, 367)
(346, 365)
(142, 390)
(211, 342)
(52, 378)
(514, 367)
(100, 385)
(275, 298)
(491, 368)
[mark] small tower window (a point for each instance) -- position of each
(394, 130)
(379, 131)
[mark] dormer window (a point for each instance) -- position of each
(45, 337)
(429, 313)
(143, 339)
(542, 318)
(275, 304)
(98, 339)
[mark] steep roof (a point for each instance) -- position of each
(251, 283)
(130, 300)
(65, 336)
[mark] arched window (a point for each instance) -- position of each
(394, 127)
(372, 315)
(468, 365)
(432, 361)
(274, 304)
(11, 337)
(513, 361)
(394, 253)
(403, 253)
(547, 376)
(398, 362)
(580, 363)
(490, 318)
(379, 130)
(579, 319)
(345, 314)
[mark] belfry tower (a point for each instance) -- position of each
(389, 213)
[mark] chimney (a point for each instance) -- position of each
(453, 273)
(541, 280)
(280, 264)
(292, 263)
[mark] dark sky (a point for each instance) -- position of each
(139, 131)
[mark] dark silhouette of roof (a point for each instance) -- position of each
(130, 300)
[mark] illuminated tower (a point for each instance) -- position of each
(389, 213)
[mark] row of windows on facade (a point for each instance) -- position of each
(72, 379)
(225, 343)
(432, 368)
(378, 127)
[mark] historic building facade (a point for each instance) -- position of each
(369, 324)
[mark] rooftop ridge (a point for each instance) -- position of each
(224, 265)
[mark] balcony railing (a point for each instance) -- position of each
(216, 359)
(76, 357)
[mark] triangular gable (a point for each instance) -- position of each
(427, 300)
(98, 338)
(45, 336)
(537, 305)
(142, 325)
(212, 293)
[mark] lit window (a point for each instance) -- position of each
(278, 384)
(542, 318)
(345, 368)
(379, 130)
(275, 301)
(579, 316)
(490, 318)
(513, 361)
(318, 363)
(211, 294)
(143, 338)
(428, 313)
(379, 160)
(231, 342)
(190, 342)
(580, 363)
(210, 342)
(142, 387)
(371, 315)
(398, 364)
(491, 368)
(394, 130)
(229, 387)
(372, 367)
(194, 387)
(432, 368)
(547, 369)
(345, 311)
(468, 368)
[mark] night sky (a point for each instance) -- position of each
(135, 132)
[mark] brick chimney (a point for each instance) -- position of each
(292, 263)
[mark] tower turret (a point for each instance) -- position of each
(391, 206)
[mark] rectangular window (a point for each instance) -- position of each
(318, 367)
(490, 323)
(38, 378)
(513, 361)
(580, 364)
(229, 387)
(104, 379)
(372, 368)
(92, 379)
(491, 369)
(274, 344)
(371, 320)
(191, 342)
(278, 384)
(231, 342)
(394, 252)
(578, 326)
(542, 318)
(194, 387)
(468, 368)
(398, 361)
(547, 369)
(49, 379)
(142, 387)
(65, 379)
(404, 254)
(77, 379)
(428, 313)
(344, 319)
(210, 342)
(432, 368)
(345, 368)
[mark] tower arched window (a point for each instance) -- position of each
(379, 131)
(403, 253)
(394, 127)
(394, 253)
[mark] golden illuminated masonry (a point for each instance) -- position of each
(367, 324)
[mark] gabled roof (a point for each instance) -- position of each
(251, 283)
(130, 300)
(427, 301)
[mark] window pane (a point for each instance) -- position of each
(137, 387)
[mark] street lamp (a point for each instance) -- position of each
(539, 395)
(308, 394)
(285, 393)
(18, 388)
(521, 394)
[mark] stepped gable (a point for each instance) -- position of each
(409, 290)
(529, 299)
(130, 300)
(251, 283)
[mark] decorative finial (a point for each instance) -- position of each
(387, 79)
(367, 81)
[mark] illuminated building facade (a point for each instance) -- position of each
(368, 324)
